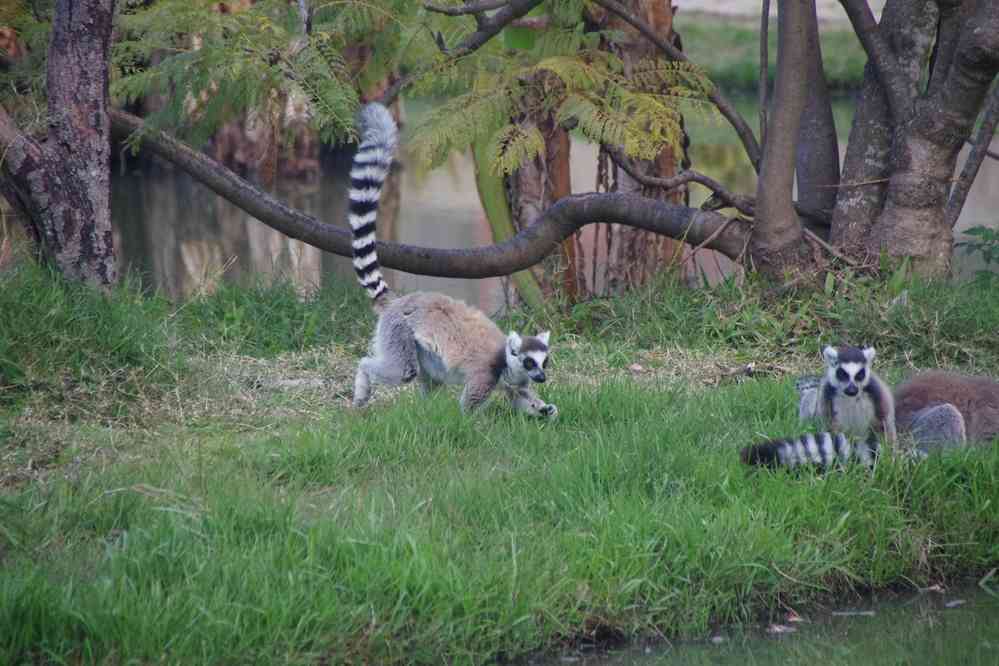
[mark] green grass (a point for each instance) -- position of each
(228, 521)
(413, 534)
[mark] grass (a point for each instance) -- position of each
(728, 48)
(230, 509)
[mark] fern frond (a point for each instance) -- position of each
(459, 122)
(514, 146)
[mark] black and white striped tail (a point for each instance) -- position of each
(822, 450)
(379, 137)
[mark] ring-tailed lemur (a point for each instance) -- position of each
(938, 409)
(424, 334)
(851, 401)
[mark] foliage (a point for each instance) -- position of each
(983, 240)
(566, 75)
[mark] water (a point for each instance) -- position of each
(931, 628)
(182, 238)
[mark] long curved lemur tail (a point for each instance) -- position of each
(379, 138)
(821, 450)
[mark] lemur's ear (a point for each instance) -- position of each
(544, 337)
(868, 354)
(831, 355)
(513, 342)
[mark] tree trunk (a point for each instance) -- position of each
(62, 185)
(908, 27)
(776, 244)
(817, 160)
(913, 223)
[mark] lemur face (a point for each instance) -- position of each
(848, 368)
(528, 355)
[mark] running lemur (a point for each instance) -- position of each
(425, 334)
(938, 409)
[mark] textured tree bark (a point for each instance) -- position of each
(914, 223)
(909, 28)
(524, 250)
(533, 188)
(776, 246)
(62, 184)
(635, 256)
(817, 159)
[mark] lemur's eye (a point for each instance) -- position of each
(841, 375)
(859, 377)
(529, 364)
(544, 366)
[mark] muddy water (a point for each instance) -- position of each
(182, 238)
(930, 628)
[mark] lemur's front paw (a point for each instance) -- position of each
(550, 411)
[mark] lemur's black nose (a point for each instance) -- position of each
(851, 390)
(540, 377)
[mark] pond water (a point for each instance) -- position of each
(931, 628)
(182, 238)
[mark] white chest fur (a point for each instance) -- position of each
(854, 415)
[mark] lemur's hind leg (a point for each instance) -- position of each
(808, 397)
(392, 363)
(939, 427)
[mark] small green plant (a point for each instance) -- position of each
(984, 240)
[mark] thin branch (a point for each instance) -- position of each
(724, 106)
(988, 153)
(980, 146)
(527, 248)
(743, 203)
(467, 8)
(764, 69)
(305, 14)
(812, 236)
(488, 27)
(879, 53)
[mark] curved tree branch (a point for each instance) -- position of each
(524, 250)
(726, 108)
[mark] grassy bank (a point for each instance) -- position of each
(728, 48)
(186, 484)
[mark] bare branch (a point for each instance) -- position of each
(743, 203)
(880, 55)
(467, 8)
(488, 27)
(527, 248)
(305, 14)
(979, 148)
(764, 68)
(726, 108)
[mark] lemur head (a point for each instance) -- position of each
(528, 355)
(848, 368)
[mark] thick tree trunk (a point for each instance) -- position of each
(777, 244)
(908, 27)
(62, 185)
(914, 223)
(817, 160)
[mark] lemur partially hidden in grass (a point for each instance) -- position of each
(424, 334)
(937, 409)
